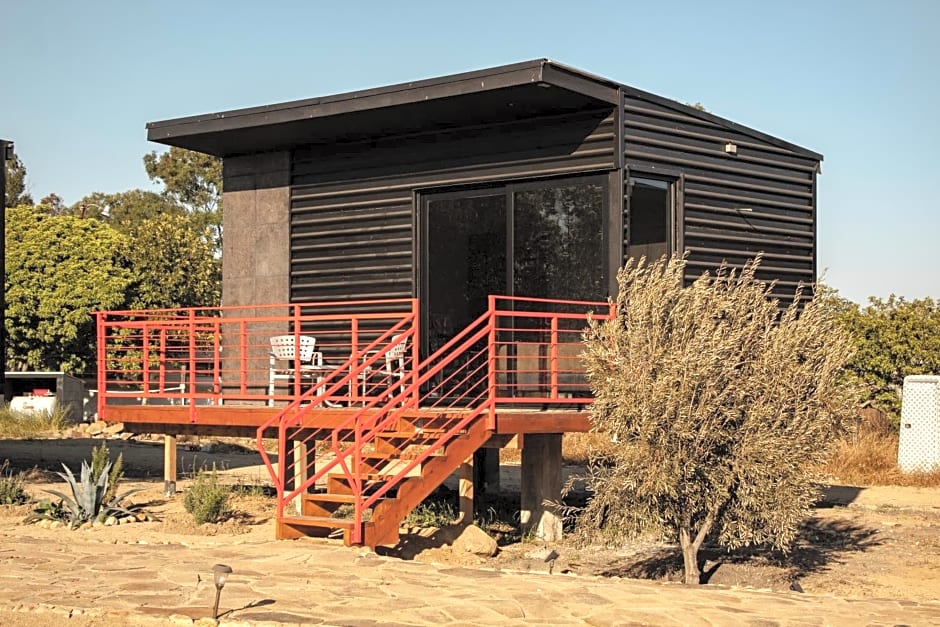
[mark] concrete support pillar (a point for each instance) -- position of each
(169, 465)
(541, 481)
(486, 470)
(465, 492)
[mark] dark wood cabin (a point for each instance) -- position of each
(441, 242)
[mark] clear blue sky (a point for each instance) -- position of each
(856, 80)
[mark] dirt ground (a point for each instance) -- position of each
(876, 542)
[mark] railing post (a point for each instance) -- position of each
(491, 350)
(145, 359)
(217, 362)
(415, 352)
(298, 378)
(192, 366)
(553, 358)
(100, 322)
(357, 359)
(243, 357)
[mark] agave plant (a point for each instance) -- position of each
(87, 502)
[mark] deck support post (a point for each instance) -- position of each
(169, 465)
(465, 492)
(486, 470)
(297, 467)
(541, 482)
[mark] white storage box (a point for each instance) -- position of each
(919, 442)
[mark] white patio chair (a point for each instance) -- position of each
(286, 352)
(394, 367)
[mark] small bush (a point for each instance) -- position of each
(100, 458)
(207, 498)
(11, 486)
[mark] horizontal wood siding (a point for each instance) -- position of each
(760, 200)
(352, 205)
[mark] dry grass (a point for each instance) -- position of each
(580, 448)
(870, 457)
(16, 425)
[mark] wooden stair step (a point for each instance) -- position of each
(317, 521)
(330, 497)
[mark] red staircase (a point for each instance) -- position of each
(365, 475)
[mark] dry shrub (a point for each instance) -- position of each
(722, 404)
(580, 449)
(869, 456)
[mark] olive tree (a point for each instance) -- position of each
(721, 405)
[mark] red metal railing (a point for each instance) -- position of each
(521, 351)
(200, 357)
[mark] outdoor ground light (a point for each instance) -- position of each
(220, 573)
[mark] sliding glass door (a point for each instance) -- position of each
(542, 240)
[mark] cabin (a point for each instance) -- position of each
(407, 271)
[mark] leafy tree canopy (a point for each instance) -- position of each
(180, 270)
(721, 407)
(59, 269)
(893, 338)
(193, 180)
(17, 193)
(126, 210)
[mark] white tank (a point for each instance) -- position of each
(919, 442)
(33, 404)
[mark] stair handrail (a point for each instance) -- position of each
(352, 368)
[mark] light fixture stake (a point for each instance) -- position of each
(220, 573)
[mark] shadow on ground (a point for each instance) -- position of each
(819, 543)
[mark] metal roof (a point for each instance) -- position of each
(520, 90)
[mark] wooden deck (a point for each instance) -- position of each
(243, 421)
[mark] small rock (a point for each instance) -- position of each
(476, 541)
(126, 520)
(85, 525)
(180, 619)
(114, 429)
(97, 523)
(206, 622)
(141, 517)
(43, 524)
(110, 521)
(97, 427)
(142, 542)
(54, 524)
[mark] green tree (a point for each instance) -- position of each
(17, 193)
(59, 269)
(191, 179)
(181, 271)
(721, 406)
(894, 338)
(126, 210)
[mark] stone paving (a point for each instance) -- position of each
(48, 575)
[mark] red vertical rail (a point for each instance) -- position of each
(101, 320)
(243, 356)
(145, 360)
(217, 363)
(491, 361)
(553, 359)
(354, 351)
(191, 387)
(415, 354)
(161, 369)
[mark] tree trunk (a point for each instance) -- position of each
(689, 558)
(691, 546)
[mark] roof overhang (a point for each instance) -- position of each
(517, 91)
